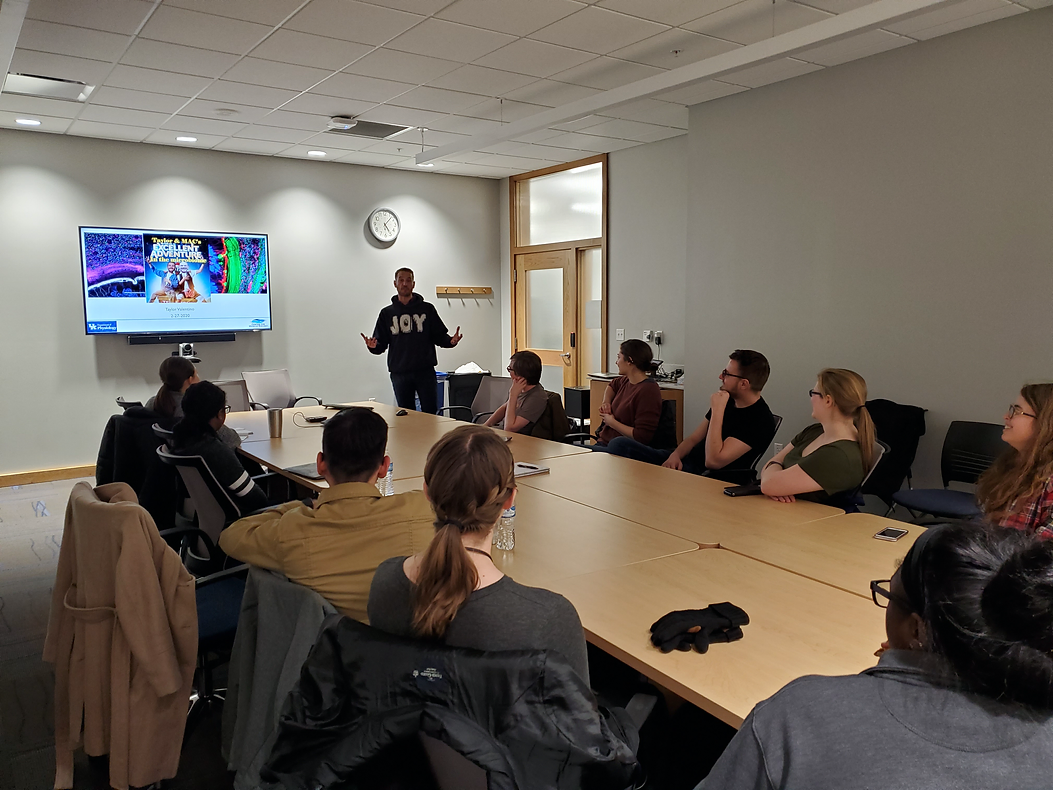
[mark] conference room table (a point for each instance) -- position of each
(627, 542)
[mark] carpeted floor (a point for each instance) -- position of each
(31, 520)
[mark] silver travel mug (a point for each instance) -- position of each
(274, 423)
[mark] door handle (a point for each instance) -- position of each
(566, 358)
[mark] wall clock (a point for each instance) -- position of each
(384, 225)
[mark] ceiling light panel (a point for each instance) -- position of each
(195, 140)
(208, 31)
(46, 88)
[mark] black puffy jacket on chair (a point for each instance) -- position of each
(525, 717)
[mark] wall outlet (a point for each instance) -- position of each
(658, 336)
(778, 447)
(647, 335)
(619, 334)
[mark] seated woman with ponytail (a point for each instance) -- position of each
(1017, 491)
(177, 374)
(962, 695)
(204, 412)
(832, 456)
(453, 592)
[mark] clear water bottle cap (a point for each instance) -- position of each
(510, 513)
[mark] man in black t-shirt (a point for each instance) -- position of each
(409, 329)
(738, 427)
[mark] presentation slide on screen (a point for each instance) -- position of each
(142, 281)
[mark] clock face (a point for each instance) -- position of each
(384, 225)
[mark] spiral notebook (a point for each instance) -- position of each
(525, 470)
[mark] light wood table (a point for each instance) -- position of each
(558, 539)
(681, 504)
(840, 551)
(797, 626)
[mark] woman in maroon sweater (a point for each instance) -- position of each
(632, 403)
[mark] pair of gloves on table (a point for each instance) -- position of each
(699, 628)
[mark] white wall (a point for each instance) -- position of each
(893, 215)
(647, 205)
(328, 280)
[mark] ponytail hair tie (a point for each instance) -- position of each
(454, 522)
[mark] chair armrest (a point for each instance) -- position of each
(218, 576)
(308, 397)
(573, 438)
(475, 419)
(451, 408)
(254, 406)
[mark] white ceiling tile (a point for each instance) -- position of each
(611, 144)
(168, 137)
(598, 30)
(48, 124)
(539, 136)
(629, 130)
(364, 158)
(606, 73)
(331, 141)
(551, 153)
(178, 58)
(183, 123)
(294, 120)
(77, 42)
(306, 49)
(272, 134)
(516, 17)
(34, 106)
(355, 86)
(838, 6)
(422, 7)
(535, 58)
(366, 24)
(239, 113)
(702, 92)
(398, 147)
(314, 104)
(45, 64)
(853, 48)
(950, 18)
(275, 75)
(240, 145)
(756, 20)
(576, 141)
(550, 93)
(518, 163)
(154, 81)
(243, 93)
(1035, 4)
(402, 116)
(476, 171)
(668, 12)
(460, 124)
(123, 117)
(137, 100)
(437, 99)
(508, 147)
(107, 131)
(300, 152)
(777, 70)
(388, 64)
(264, 12)
(208, 31)
(436, 138)
(437, 38)
(115, 16)
(503, 111)
(674, 48)
(653, 111)
(481, 80)
(580, 123)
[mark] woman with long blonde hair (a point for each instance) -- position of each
(1017, 491)
(453, 592)
(832, 456)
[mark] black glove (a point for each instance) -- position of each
(696, 628)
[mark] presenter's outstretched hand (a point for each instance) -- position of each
(456, 337)
(371, 342)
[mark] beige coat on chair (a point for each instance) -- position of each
(123, 638)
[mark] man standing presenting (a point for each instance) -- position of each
(409, 329)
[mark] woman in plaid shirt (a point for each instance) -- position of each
(1017, 491)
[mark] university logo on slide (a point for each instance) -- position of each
(102, 326)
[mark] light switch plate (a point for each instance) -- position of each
(647, 335)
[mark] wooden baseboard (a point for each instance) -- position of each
(45, 475)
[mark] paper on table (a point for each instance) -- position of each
(469, 367)
(525, 470)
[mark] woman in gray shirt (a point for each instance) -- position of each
(962, 695)
(454, 592)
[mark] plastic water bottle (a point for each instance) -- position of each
(387, 486)
(505, 532)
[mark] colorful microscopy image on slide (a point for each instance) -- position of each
(113, 265)
(238, 265)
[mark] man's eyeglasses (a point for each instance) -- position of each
(726, 372)
(226, 409)
(1015, 410)
(881, 592)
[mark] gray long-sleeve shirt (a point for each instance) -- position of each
(898, 726)
(503, 616)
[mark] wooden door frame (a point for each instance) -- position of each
(575, 245)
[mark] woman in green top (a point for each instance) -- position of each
(832, 456)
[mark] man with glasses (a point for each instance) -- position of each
(527, 399)
(738, 427)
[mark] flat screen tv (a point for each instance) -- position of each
(164, 282)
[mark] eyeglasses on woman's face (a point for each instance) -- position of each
(881, 592)
(812, 393)
(1016, 410)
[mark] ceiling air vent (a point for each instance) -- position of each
(47, 87)
(376, 131)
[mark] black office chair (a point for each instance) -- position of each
(273, 389)
(490, 394)
(553, 423)
(126, 455)
(968, 450)
(128, 404)
(499, 720)
(900, 427)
